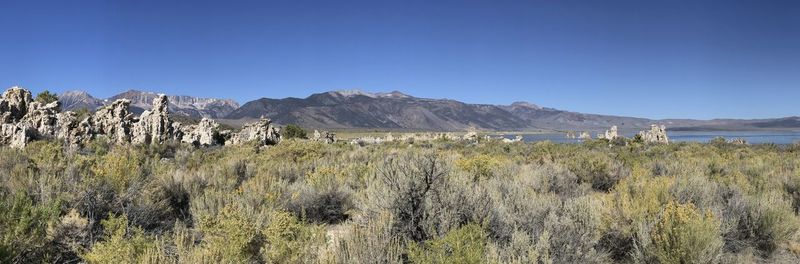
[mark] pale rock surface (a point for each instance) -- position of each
(610, 134)
(154, 126)
(115, 121)
(74, 132)
(324, 136)
(14, 135)
(23, 120)
(204, 133)
(656, 134)
(738, 141)
(262, 131)
(14, 104)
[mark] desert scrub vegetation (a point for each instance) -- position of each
(426, 202)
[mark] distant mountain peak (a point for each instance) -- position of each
(141, 100)
(525, 104)
(78, 99)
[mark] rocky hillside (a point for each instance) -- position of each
(350, 109)
(357, 109)
(395, 110)
(76, 100)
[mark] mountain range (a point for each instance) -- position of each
(188, 106)
(355, 109)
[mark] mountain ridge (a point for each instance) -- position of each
(190, 106)
(357, 109)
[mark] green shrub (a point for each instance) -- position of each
(23, 226)
(685, 235)
(229, 237)
(598, 170)
(46, 97)
(293, 131)
(480, 166)
(122, 244)
(463, 245)
(290, 241)
(120, 168)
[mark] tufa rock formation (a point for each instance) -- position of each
(23, 120)
(14, 104)
(153, 125)
(610, 134)
(206, 133)
(738, 141)
(262, 132)
(656, 134)
(113, 121)
(325, 136)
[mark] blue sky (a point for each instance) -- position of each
(655, 59)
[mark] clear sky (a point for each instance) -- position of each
(655, 59)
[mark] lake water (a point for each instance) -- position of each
(752, 137)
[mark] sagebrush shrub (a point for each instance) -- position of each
(683, 234)
(463, 245)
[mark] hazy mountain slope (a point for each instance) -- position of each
(355, 109)
(549, 118)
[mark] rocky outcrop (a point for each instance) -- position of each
(610, 134)
(114, 122)
(74, 132)
(23, 120)
(656, 134)
(738, 141)
(14, 104)
(42, 119)
(14, 135)
(154, 125)
(471, 136)
(262, 132)
(585, 135)
(205, 133)
(325, 136)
